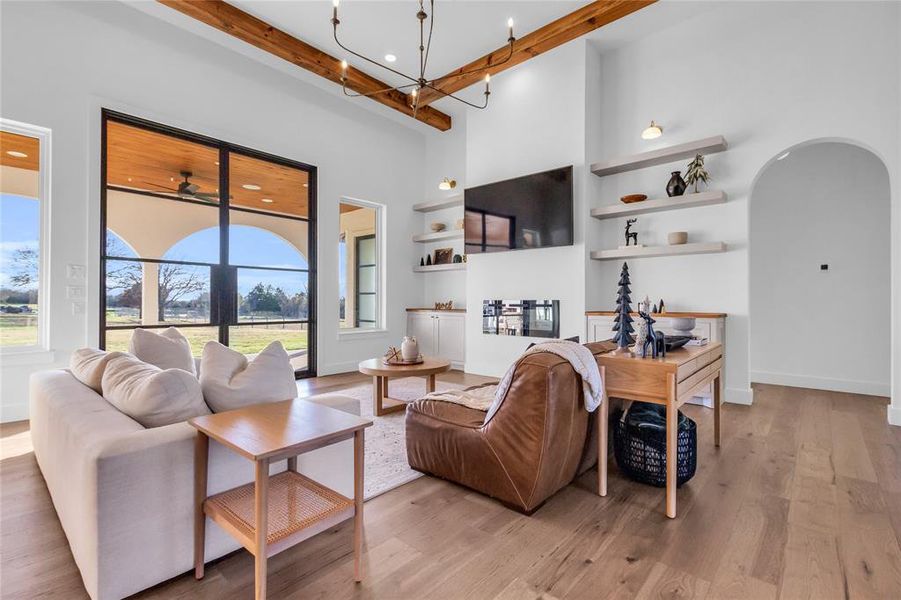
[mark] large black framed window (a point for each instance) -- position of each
(206, 236)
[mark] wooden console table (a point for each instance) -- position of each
(274, 513)
(669, 381)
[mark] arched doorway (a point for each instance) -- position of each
(820, 270)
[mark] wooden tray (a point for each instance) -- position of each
(401, 362)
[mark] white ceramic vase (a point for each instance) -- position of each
(409, 349)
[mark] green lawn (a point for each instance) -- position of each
(19, 330)
(247, 340)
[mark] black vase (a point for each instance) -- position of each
(676, 185)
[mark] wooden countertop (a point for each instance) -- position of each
(452, 310)
(696, 315)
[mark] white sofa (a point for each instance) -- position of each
(124, 494)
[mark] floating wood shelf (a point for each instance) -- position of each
(433, 205)
(449, 267)
(660, 156)
(651, 251)
(440, 236)
(659, 204)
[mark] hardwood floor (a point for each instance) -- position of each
(803, 500)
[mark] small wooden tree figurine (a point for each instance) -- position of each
(695, 172)
(622, 321)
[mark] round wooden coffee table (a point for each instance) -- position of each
(381, 403)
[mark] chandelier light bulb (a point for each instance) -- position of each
(343, 69)
(335, 3)
(510, 28)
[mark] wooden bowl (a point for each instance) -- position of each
(677, 238)
(633, 198)
(436, 227)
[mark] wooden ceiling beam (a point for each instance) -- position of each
(247, 28)
(556, 33)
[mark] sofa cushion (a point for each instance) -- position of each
(88, 365)
(168, 349)
(152, 396)
(230, 381)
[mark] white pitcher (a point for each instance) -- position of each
(409, 349)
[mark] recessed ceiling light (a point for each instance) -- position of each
(252, 187)
(390, 58)
(783, 155)
(267, 200)
(129, 179)
(16, 154)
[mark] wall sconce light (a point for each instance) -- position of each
(447, 184)
(652, 131)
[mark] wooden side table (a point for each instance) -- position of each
(276, 512)
(381, 403)
(670, 381)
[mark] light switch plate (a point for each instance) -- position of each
(75, 292)
(75, 271)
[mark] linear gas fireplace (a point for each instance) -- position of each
(527, 318)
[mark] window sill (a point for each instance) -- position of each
(357, 333)
(10, 357)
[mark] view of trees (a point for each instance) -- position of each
(185, 289)
(23, 278)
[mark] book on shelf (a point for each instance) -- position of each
(697, 341)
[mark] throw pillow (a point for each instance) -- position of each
(88, 365)
(230, 381)
(152, 396)
(168, 349)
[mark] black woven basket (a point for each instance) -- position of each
(641, 451)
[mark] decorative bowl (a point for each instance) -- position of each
(677, 238)
(436, 227)
(683, 325)
(629, 199)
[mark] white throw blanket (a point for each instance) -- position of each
(489, 397)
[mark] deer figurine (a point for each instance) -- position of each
(631, 235)
(654, 339)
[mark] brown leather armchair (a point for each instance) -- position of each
(537, 441)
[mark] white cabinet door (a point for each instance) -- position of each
(451, 337)
(421, 325)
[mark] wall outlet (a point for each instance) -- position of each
(75, 272)
(75, 292)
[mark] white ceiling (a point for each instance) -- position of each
(463, 30)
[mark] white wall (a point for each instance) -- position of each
(536, 122)
(62, 62)
(445, 157)
(767, 76)
(824, 203)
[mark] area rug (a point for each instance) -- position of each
(386, 448)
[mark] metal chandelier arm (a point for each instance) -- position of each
(428, 45)
(457, 98)
(375, 93)
(450, 75)
(367, 59)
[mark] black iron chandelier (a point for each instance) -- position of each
(417, 84)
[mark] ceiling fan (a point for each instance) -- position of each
(188, 190)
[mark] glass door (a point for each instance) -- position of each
(211, 238)
(269, 242)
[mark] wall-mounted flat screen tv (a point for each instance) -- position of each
(535, 211)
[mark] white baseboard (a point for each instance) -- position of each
(10, 413)
(868, 388)
(739, 396)
(335, 368)
(894, 415)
